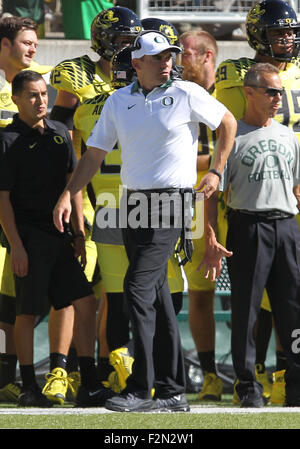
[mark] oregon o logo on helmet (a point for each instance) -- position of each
(167, 101)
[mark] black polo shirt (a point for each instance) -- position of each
(34, 167)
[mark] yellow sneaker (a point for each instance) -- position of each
(74, 381)
(278, 388)
(211, 389)
(122, 362)
(56, 386)
(113, 382)
(10, 392)
(262, 377)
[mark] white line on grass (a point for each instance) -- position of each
(102, 410)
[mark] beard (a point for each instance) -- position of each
(194, 73)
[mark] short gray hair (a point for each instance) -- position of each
(253, 76)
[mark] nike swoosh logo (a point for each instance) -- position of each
(33, 145)
(93, 393)
(130, 107)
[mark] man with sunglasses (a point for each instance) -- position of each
(273, 32)
(263, 235)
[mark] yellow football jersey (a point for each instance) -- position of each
(107, 179)
(83, 78)
(229, 90)
(80, 76)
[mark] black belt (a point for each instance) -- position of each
(266, 215)
(149, 191)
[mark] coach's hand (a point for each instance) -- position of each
(208, 185)
(212, 261)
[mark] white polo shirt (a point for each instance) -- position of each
(158, 133)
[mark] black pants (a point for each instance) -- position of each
(265, 254)
(159, 360)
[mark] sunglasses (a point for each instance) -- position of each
(271, 91)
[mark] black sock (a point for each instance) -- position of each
(104, 368)
(72, 362)
(8, 365)
(57, 360)
(207, 361)
(27, 375)
(281, 361)
(88, 371)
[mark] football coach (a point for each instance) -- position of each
(156, 122)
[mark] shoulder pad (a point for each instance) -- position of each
(231, 72)
(73, 74)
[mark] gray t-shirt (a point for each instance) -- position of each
(262, 169)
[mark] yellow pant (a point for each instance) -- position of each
(113, 264)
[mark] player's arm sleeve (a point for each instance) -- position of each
(67, 97)
(64, 115)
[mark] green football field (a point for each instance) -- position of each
(223, 415)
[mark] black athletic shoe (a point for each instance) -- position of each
(93, 398)
(33, 397)
(252, 400)
(292, 404)
(129, 402)
(177, 403)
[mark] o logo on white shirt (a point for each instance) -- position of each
(167, 101)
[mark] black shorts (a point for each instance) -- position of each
(7, 309)
(54, 274)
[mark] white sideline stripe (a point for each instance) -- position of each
(101, 410)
